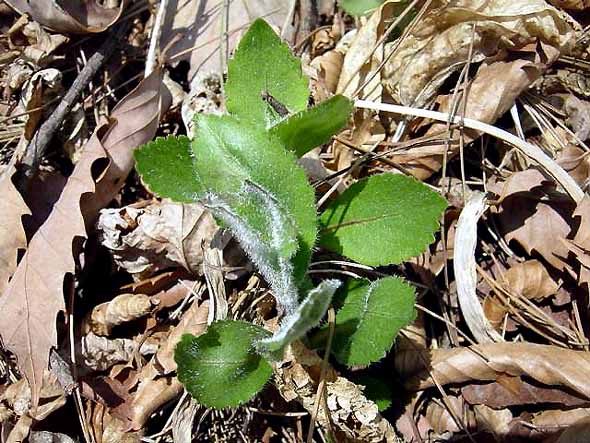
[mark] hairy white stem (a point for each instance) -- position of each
(308, 315)
(274, 267)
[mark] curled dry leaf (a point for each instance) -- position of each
(576, 161)
(530, 280)
(80, 17)
(41, 45)
(491, 93)
(18, 397)
(453, 415)
(329, 66)
(578, 116)
(199, 26)
(101, 353)
(352, 416)
(34, 296)
(548, 365)
(513, 391)
(123, 308)
(526, 216)
(145, 238)
(12, 233)
(355, 68)
(156, 385)
(443, 39)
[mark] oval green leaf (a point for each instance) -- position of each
(313, 127)
(369, 320)
(220, 368)
(229, 152)
(383, 219)
(263, 63)
(166, 168)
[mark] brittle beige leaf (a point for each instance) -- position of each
(491, 93)
(199, 24)
(531, 211)
(121, 309)
(156, 385)
(444, 38)
(76, 16)
(513, 391)
(531, 280)
(12, 233)
(35, 295)
(548, 365)
(352, 416)
(145, 238)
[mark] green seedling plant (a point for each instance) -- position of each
(243, 167)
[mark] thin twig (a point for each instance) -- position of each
(324, 369)
(150, 61)
(38, 145)
(531, 151)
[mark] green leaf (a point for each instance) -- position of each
(370, 319)
(220, 368)
(263, 63)
(313, 127)
(230, 152)
(376, 390)
(360, 7)
(381, 220)
(308, 315)
(166, 167)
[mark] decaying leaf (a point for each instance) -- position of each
(576, 161)
(531, 280)
(352, 416)
(147, 237)
(12, 233)
(80, 17)
(443, 39)
(123, 308)
(548, 365)
(491, 93)
(199, 24)
(511, 391)
(527, 217)
(154, 390)
(356, 69)
(101, 353)
(35, 296)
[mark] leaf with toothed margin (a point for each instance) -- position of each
(295, 325)
(263, 63)
(383, 219)
(229, 152)
(369, 320)
(273, 259)
(313, 127)
(220, 368)
(166, 167)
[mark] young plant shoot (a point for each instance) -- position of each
(243, 167)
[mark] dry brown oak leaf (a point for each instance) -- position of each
(548, 365)
(12, 233)
(75, 16)
(35, 295)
